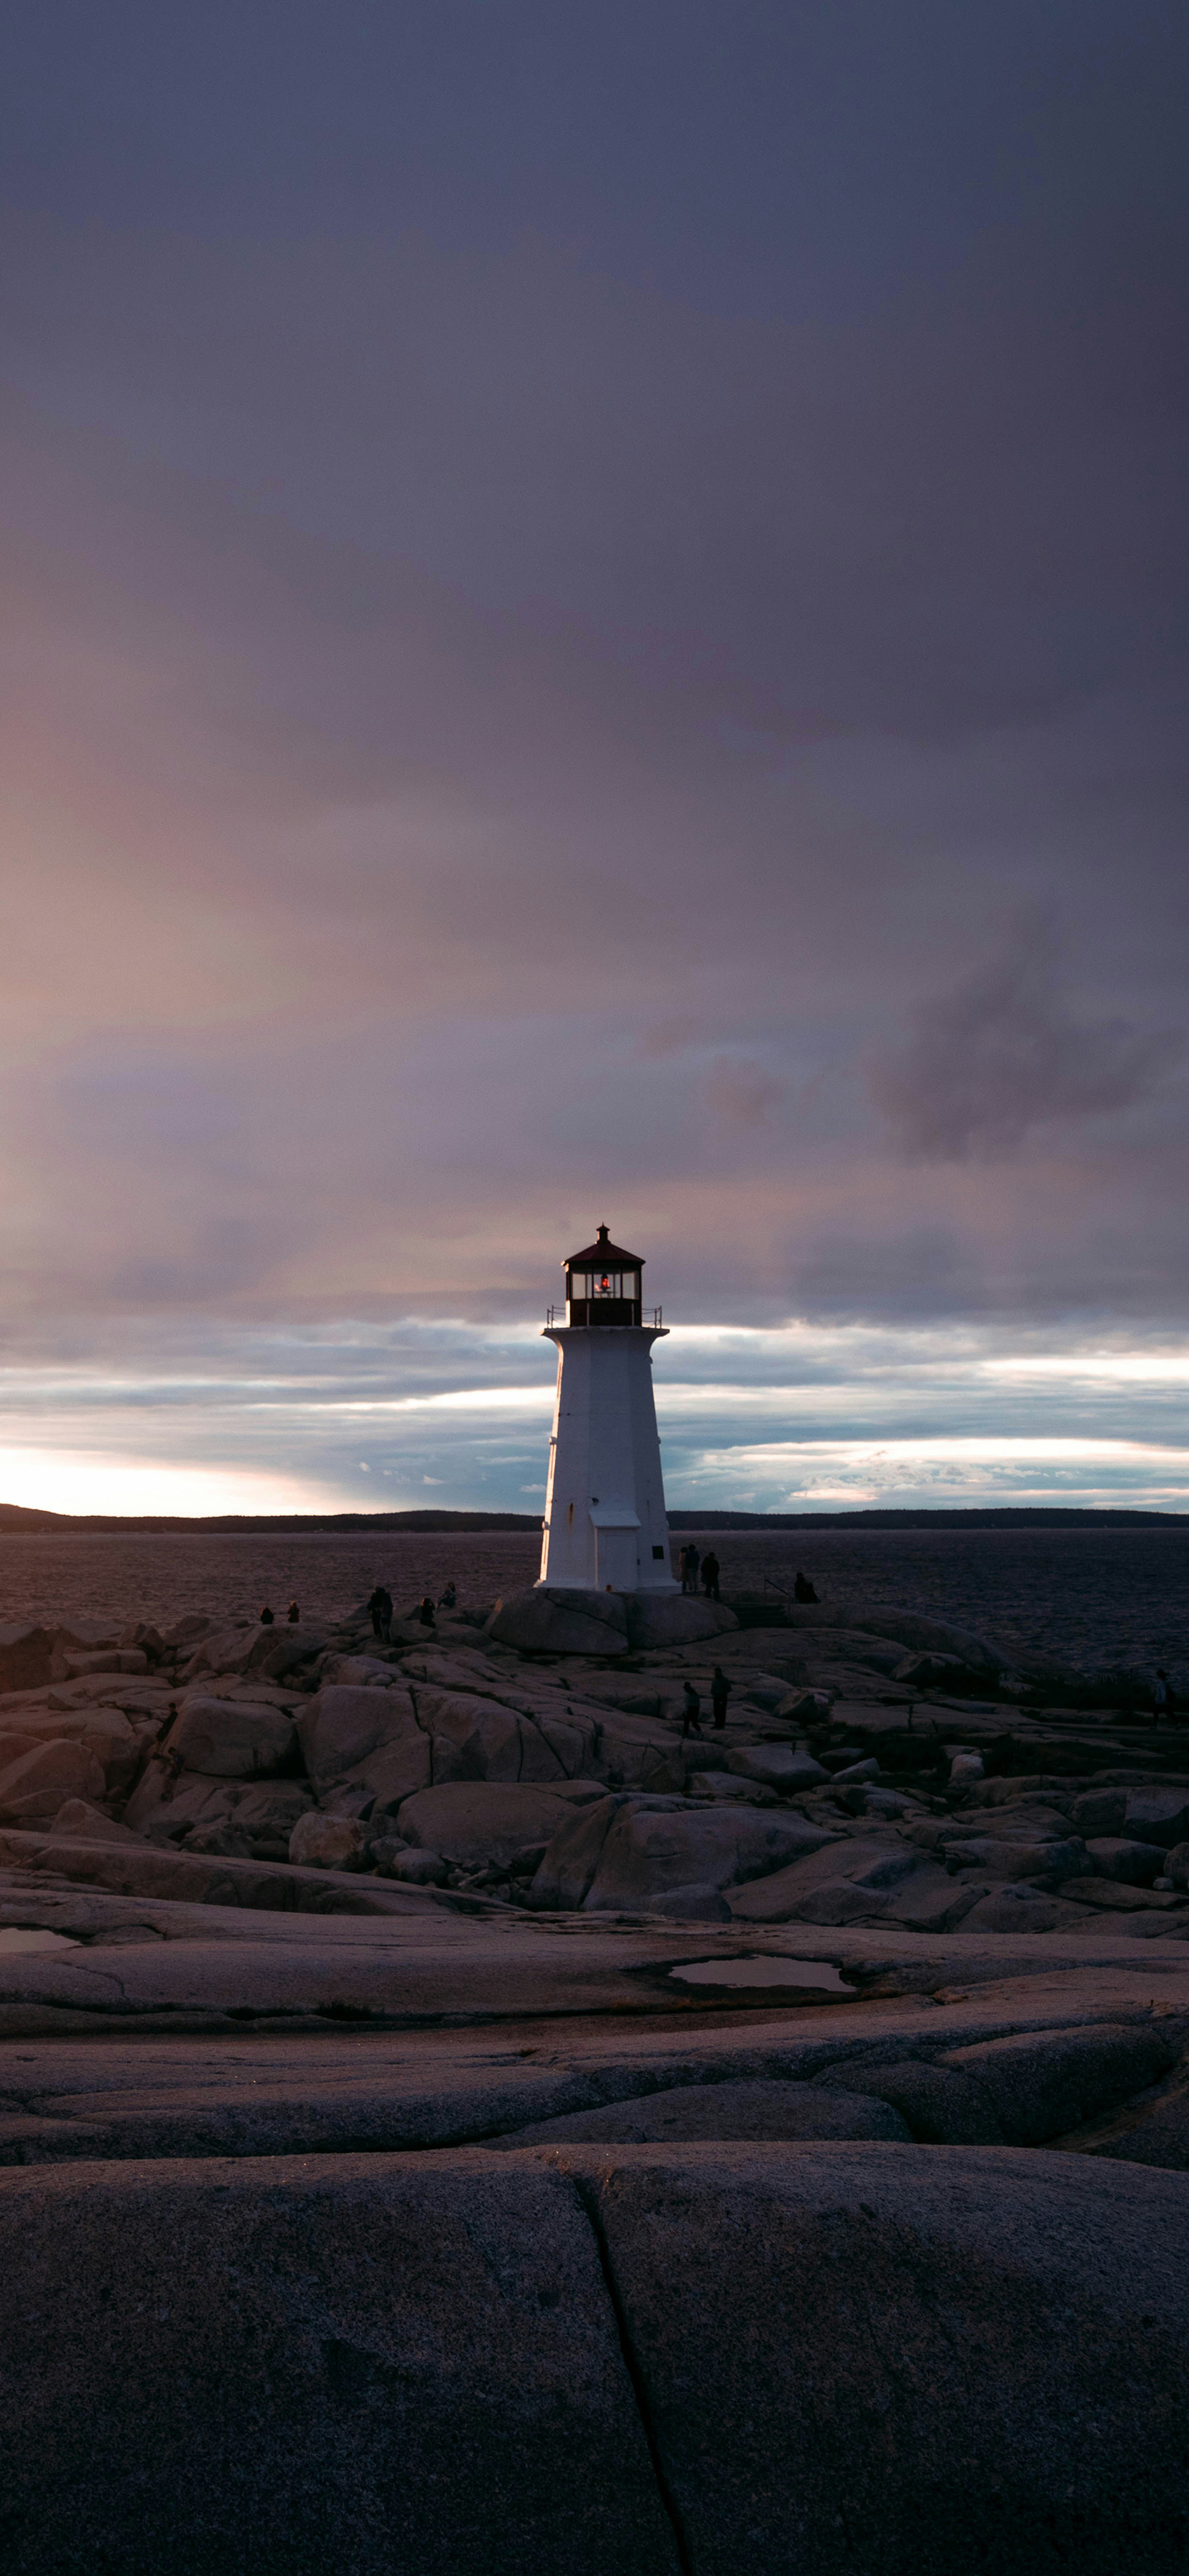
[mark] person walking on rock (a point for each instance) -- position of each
(710, 1575)
(720, 1692)
(691, 1711)
(380, 1606)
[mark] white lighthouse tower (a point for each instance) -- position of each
(605, 1524)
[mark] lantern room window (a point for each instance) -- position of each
(588, 1284)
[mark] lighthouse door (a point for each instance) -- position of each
(616, 1528)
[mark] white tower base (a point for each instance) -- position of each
(605, 1523)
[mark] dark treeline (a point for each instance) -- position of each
(15, 1519)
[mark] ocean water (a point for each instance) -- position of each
(1095, 1598)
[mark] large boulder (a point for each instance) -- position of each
(494, 1742)
(901, 1628)
(674, 1619)
(941, 2105)
(34, 1786)
(252, 1820)
(1132, 1864)
(78, 1822)
(327, 1842)
(892, 2358)
(1001, 1856)
(316, 2366)
(228, 1649)
(471, 1821)
(1100, 1812)
(74, 1665)
(233, 1739)
(1158, 1816)
(762, 2109)
(1154, 2130)
(26, 1653)
(1041, 2082)
(555, 1620)
(366, 1738)
(637, 1851)
(777, 1766)
(843, 1881)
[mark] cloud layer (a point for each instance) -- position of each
(595, 624)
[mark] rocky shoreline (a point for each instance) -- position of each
(443, 2095)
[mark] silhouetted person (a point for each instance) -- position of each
(710, 1575)
(293, 1614)
(447, 1599)
(685, 1569)
(266, 1617)
(693, 1560)
(1163, 1703)
(691, 1711)
(425, 1611)
(803, 1589)
(380, 1606)
(720, 1692)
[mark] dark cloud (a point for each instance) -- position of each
(984, 1066)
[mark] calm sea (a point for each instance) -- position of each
(1093, 1597)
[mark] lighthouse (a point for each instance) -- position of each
(605, 1524)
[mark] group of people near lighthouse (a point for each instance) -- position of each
(690, 1565)
(381, 1608)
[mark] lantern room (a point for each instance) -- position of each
(603, 1283)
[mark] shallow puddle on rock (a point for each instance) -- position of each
(14, 1936)
(805, 1973)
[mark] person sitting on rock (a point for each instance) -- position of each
(447, 1599)
(710, 1575)
(424, 1611)
(293, 1614)
(380, 1606)
(691, 1711)
(267, 1617)
(803, 1589)
(720, 1692)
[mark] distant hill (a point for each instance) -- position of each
(15, 1519)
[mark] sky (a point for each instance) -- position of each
(595, 630)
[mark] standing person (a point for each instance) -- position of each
(683, 1568)
(694, 1563)
(710, 1575)
(380, 1606)
(720, 1692)
(1162, 1698)
(293, 1614)
(691, 1711)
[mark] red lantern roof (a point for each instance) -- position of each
(604, 1255)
